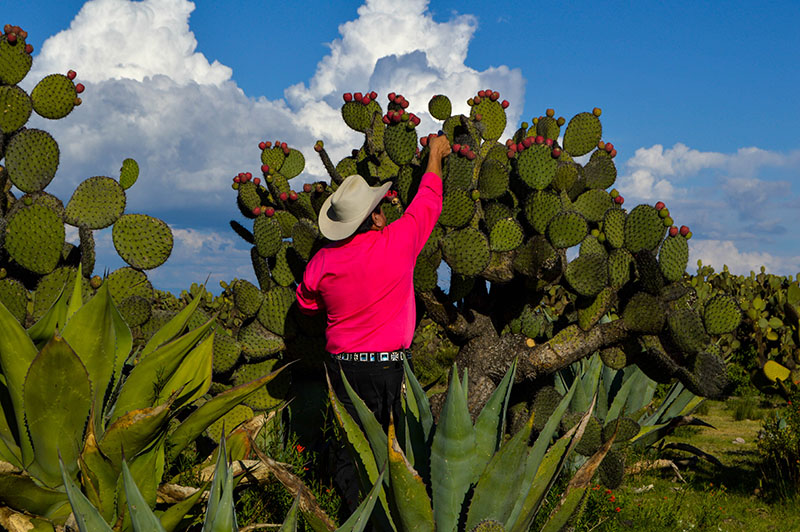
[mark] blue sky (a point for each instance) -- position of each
(700, 99)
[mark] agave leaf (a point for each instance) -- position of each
(215, 493)
(91, 334)
(16, 355)
(420, 399)
(498, 487)
(372, 429)
(192, 377)
(290, 522)
(452, 456)
(213, 409)
(18, 490)
(143, 386)
(98, 475)
(56, 316)
(357, 522)
(410, 495)
(527, 503)
(76, 298)
(576, 490)
(225, 520)
(146, 470)
(142, 517)
(359, 447)
(57, 399)
(9, 450)
(122, 350)
(620, 403)
(86, 516)
(173, 327)
(490, 425)
(172, 517)
(134, 432)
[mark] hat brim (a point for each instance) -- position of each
(337, 230)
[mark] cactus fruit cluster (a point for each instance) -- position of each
(510, 212)
(36, 260)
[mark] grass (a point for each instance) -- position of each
(710, 497)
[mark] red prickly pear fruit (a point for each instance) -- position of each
(504, 104)
(549, 142)
(609, 147)
(613, 153)
(471, 155)
(520, 146)
(11, 38)
(29, 49)
(416, 120)
(556, 153)
(619, 200)
(284, 145)
(482, 93)
(510, 154)
(79, 88)
(561, 121)
(464, 150)
(77, 102)
(318, 146)
(265, 168)
(357, 96)
(22, 33)
(366, 99)
(307, 187)
(488, 92)
(7, 28)
(292, 195)
(527, 141)
(476, 100)
(539, 139)
(386, 120)
(348, 97)
(320, 188)
(257, 181)
(286, 151)
(398, 117)
(269, 211)
(391, 96)
(597, 111)
(478, 117)
(237, 179)
(262, 145)
(601, 145)
(283, 196)
(257, 211)
(513, 147)
(249, 175)
(550, 112)
(660, 205)
(456, 147)
(404, 103)
(423, 141)
(673, 231)
(373, 95)
(269, 144)
(71, 74)
(684, 230)
(495, 96)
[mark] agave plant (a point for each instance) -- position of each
(459, 475)
(72, 386)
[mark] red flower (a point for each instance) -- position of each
(617, 509)
(299, 448)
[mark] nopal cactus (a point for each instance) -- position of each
(511, 210)
(36, 260)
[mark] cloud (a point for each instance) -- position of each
(719, 253)
(152, 96)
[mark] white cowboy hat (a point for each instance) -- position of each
(345, 209)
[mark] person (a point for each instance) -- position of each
(364, 280)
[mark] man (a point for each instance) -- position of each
(364, 280)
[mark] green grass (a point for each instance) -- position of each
(727, 498)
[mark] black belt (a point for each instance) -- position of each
(374, 356)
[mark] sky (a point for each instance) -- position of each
(699, 98)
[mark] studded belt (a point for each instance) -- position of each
(374, 356)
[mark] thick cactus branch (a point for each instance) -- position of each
(329, 166)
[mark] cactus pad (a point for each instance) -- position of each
(440, 107)
(466, 251)
(495, 211)
(35, 238)
(600, 172)
(673, 257)
(565, 177)
(614, 358)
(587, 274)
(275, 307)
(15, 109)
(49, 288)
(425, 275)
(547, 127)
(540, 207)
(505, 235)
(129, 173)
(357, 116)
(293, 164)
(126, 282)
(226, 351)
(493, 117)
(614, 227)
(31, 159)
(54, 96)
(258, 343)
(592, 436)
(457, 209)
(593, 204)
(271, 394)
(235, 417)
(644, 228)
(687, 331)
(14, 62)
(458, 172)
(273, 157)
(304, 234)
(644, 313)
(400, 142)
(582, 135)
(14, 297)
(612, 469)
(590, 310)
(619, 267)
(97, 203)
(247, 298)
(267, 236)
(536, 166)
(142, 241)
(135, 310)
(567, 229)
(721, 315)
(492, 179)
(489, 525)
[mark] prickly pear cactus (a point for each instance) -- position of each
(510, 212)
(35, 258)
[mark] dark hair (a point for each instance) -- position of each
(366, 225)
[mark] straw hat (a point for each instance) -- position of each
(345, 209)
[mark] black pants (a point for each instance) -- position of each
(379, 385)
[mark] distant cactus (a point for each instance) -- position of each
(510, 212)
(36, 261)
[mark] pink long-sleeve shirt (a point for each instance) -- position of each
(366, 282)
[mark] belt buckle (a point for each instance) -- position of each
(384, 357)
(363, 357)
